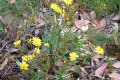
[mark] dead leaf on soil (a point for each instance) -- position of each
(116, 17)
(12, 1)
(86, 16)
(72, 68)
(11, 50)
(101, 69)
(114, 76)
(102, 23)
(93, 15)
(82, 24)
(40, 23)
(59, 63)
(116, 65)
(4, 63)
(96, 59)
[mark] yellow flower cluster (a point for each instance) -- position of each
(68, 2)
(17, 43)
(99, 50)
(57, 9)
(24, 66)
(28, 57)
(73, 56)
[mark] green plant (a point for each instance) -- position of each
(99, 38)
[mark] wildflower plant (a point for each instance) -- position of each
(54, 46)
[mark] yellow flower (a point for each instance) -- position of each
(68, 2)
(25, 58)
(36, 41)
(17, 43)
(67, 19)
(62, 12)
(37, 50)
(29, 41)
(46, 44)
(99, 50)
(65, 61)
(31, 56)
(104, 5)
(24, 66)
(73, 56)
(55, 7)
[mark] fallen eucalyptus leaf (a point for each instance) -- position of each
(116, 65)
(4, 63)
(101, 69)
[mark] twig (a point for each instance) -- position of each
(4, 45)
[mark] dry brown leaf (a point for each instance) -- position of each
(116, 17)
(97, 22)
(116, 65)
(4, 63)
(59, 63)
(86, 16)
(83, 70)
(40, 23)
(12, 1)
(96, 59)
(101, 69)
(93, 15)
(114, 76)
(102, 23)
(82, 24)
(73, 68)
(116, 41)
(112, 58)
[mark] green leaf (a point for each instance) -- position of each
(18, 63)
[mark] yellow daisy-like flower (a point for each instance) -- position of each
(31, 56)
(73, 56)
(25, 58)
(24, 66)
(46, 44)
(17, 43)
(37, 50)
(99, 50)
(55, 7)
(68, 2)
(36, 41)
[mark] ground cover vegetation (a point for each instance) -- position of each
(59, 39)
